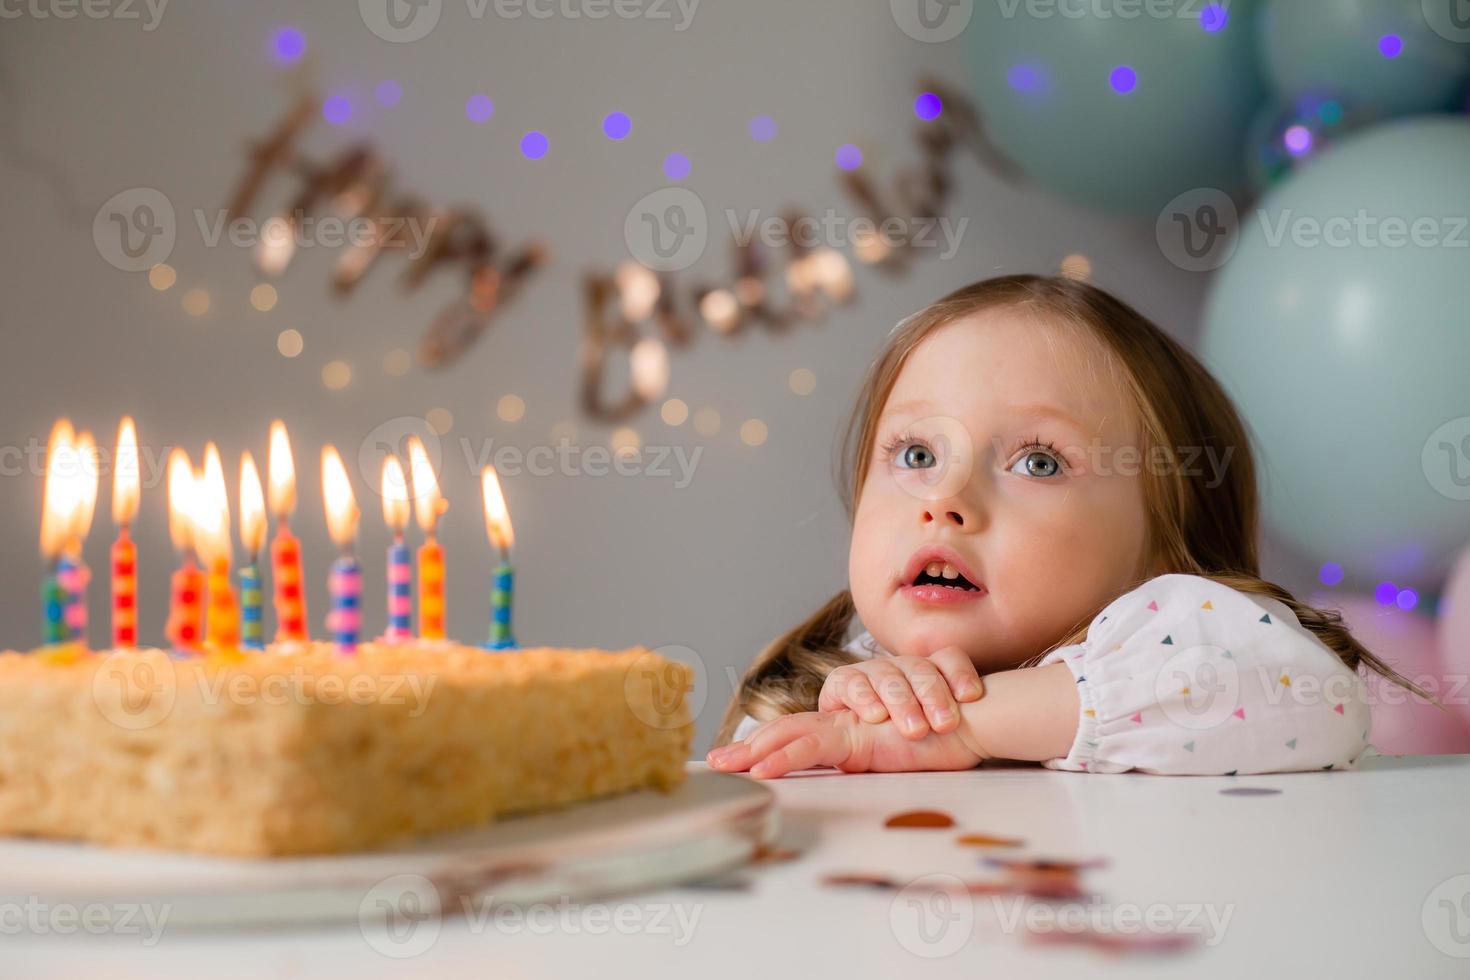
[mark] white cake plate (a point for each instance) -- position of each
(711, 824)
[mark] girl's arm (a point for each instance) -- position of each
(1027, 714)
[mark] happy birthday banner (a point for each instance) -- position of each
(635, 309)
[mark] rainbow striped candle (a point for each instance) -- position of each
(252, 608)
(252, 536)
(500, 603)
(502, 538)
(286, 574)
(400, 571)
(72, 575)
(344, 583)
(125, 489)
(428, 505)
(53, 607)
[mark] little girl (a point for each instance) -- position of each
(1049, 493)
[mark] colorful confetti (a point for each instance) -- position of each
(920, 818)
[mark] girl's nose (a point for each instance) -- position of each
(932, 514)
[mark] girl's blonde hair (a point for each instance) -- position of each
(1194, 528)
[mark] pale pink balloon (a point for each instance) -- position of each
(1454, 629)
(1403, 723)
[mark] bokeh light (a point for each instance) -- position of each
(849, 157)
(534, 145)
(802, 381)
(753, 432)
(441, 420)
(928, 106)
(1026, 78)
(617, 125)
(162, 276)
(1406, 599)
(289, 343)
(1297, 139)
(1390, 45)
(1213, 18)
(288, 45)
(336, 375)
(510, 408)
(1385, 593)
(196, 302)
(1330, 573)
(263, 297)
(337, 109)
(397, 362)
(763, 129)
(1123, 79)
(674, 412)
(676, 166)
(388, 92)
(478, 108)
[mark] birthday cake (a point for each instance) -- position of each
(308, 752)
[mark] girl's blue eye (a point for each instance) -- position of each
(1039, 463)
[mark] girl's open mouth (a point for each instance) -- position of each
(940, 583)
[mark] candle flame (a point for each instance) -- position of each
(61, 489)
(395, 495)
(282, 473)
(182, 491)
(252, 507)
(497, 518)
(212, 510)
(88, 472)
(342, 513)
(125, 474)
(428, 504)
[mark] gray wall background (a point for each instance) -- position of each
(93, 107)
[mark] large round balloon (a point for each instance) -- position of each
(1339, 325)
(1403, 723)
(1119, 112)
(1393, 56)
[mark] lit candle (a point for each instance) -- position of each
(212, 538)
(124, 553)
(61, 498)
(286, 574)
(427, 506)
(400, 572)
(185, 626)
(344, 585)
(71, 570)
(252, 536)
(502, 536)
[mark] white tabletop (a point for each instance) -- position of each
(1341, 874)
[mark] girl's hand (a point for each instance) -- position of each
(842, 740)
(920, 693)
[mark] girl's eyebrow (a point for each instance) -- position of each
(1032, 410)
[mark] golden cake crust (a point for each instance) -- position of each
(304, 751)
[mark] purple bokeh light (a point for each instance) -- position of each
(1026, 78)
(763, 129)
(849, 157)
(388, 92)
(1385, 593)
(1213, 18)
(288, 45)
(1123, 79)
(478, 108)
(337, 109)
(1390, 45)
(676, 166)
(1330, 573)
(1406, 599)
(616, 125)
(534, 145)
(928, 106)
(1297, 139)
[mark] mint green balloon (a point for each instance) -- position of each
(1043, 71)
(1341, 46)
(1341, 327)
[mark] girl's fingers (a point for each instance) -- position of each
(959, 671)
(821, 746)
(932, 691)
(896, 692)
(848, 687)
(740, 756)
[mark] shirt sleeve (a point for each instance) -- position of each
(1187, 676)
